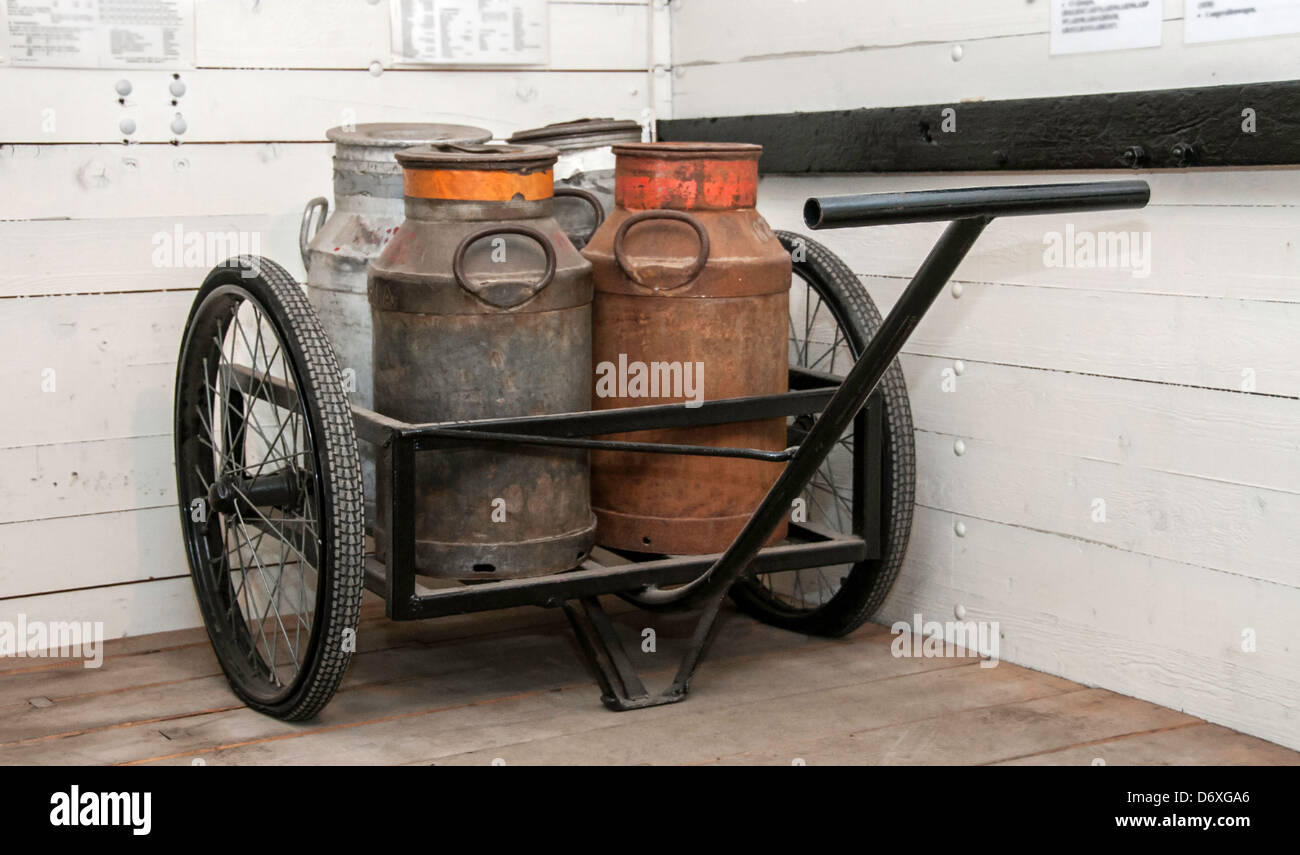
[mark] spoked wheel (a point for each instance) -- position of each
(831, 320)
(269, 486)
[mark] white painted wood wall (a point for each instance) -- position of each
(88, 524)
(1175, 398)
(1077, 385)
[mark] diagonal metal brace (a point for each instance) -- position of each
(620, 687)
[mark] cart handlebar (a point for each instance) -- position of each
(878, 209)
(970, 211)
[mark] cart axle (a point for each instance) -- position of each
(278, 489)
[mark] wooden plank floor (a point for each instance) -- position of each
(508, 686)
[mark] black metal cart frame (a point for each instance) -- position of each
(706, 579)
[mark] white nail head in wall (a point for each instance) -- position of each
(959, 528)
(959, 368)
(126, 126)
(957, 53)
(123, 87)
(957, 289)
(179, 126)
(177, 88)
(959, 448)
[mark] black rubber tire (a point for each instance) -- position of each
(863, 591)
(334, 484)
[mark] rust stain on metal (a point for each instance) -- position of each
(685, 176)
(730, 320)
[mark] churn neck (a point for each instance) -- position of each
(496, 180)
(686, 176)
(364, 168)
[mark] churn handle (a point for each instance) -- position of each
(661, 214)
(304, 231)
(458, 262)
(590, 199)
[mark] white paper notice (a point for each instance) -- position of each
(470, 32)
(100, 33)
(1084, 26)
(1216, 20)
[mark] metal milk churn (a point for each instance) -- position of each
(585, 168)
(481, 308)
(367, 208)
(692, 304)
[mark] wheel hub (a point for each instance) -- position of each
(279, 489)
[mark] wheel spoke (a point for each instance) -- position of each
(829, 502)
(261, 566)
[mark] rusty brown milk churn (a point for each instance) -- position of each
(482, 308)
(692, 304)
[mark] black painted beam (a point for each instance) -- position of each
(1254, 124)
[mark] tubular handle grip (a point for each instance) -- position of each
(878, 209)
